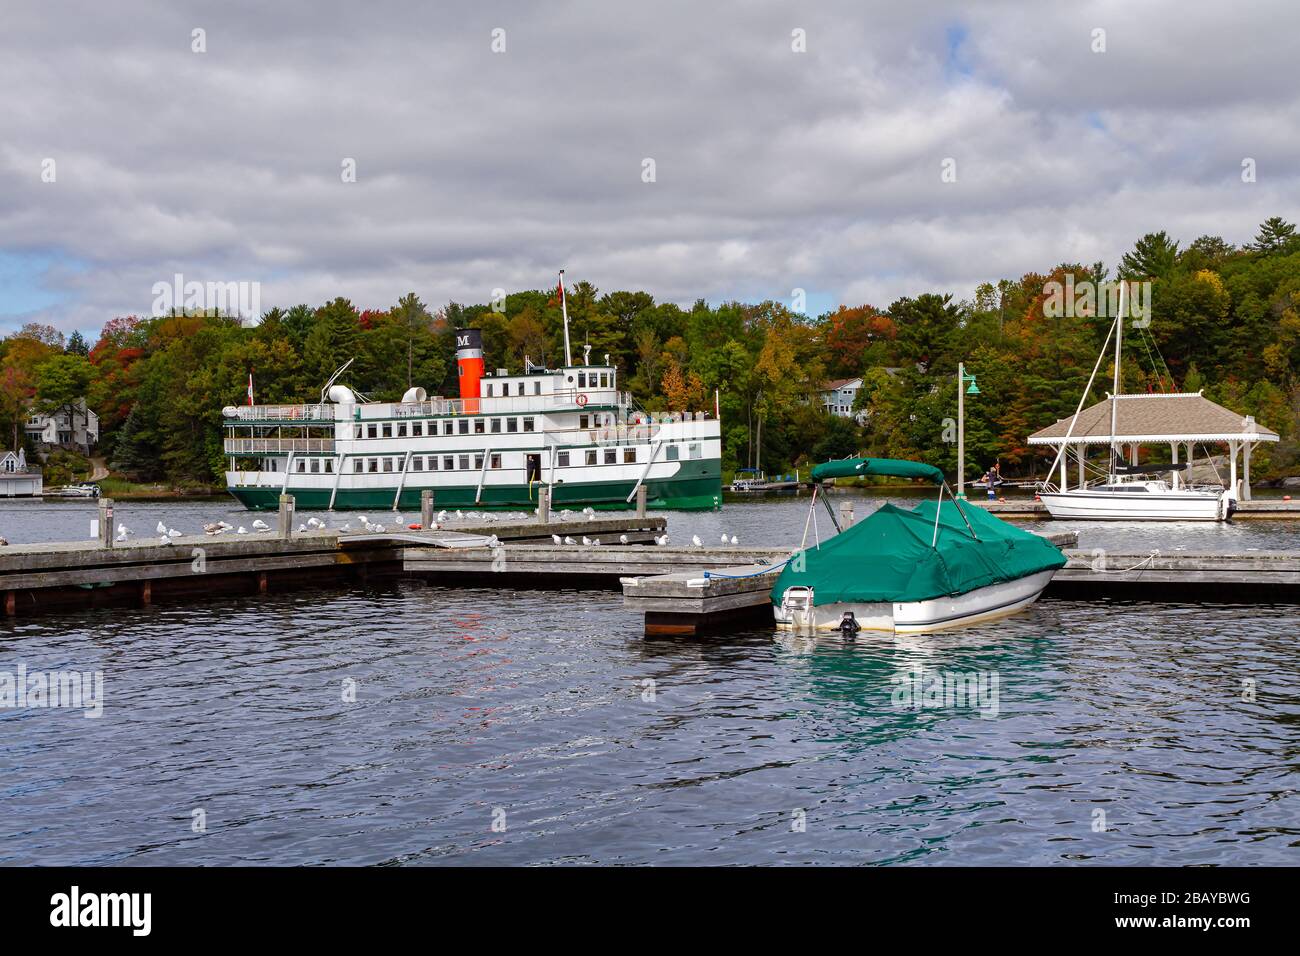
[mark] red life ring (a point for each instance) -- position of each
(581, 400)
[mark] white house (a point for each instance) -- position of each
(838, 396)
(16, 479)
(80, 429)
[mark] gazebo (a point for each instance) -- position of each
(1177, 419)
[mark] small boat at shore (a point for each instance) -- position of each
(86, 489)
(940, 565)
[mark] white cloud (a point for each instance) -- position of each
(775, 169)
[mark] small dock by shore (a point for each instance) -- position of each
(1026, 509)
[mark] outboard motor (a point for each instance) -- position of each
(849, 626)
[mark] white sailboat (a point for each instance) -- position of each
(1129, 493)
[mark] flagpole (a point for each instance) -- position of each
(568, 358)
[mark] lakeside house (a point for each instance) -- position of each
(74, 427)
(838, 397)
(17, 478)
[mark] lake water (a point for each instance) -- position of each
(542, 728)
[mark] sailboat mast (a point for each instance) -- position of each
(1114, 395)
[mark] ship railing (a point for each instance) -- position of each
(254, 446)
(256, 413)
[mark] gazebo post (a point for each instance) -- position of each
(1064, 455)
(1232, 468)
(1245, 461)
(1173, 457)
(1078, 450)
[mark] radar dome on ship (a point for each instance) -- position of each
(342, 395)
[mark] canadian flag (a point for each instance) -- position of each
(250, 388)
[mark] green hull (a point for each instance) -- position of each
(696, 487)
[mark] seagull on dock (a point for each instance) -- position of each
(557, 539)
(568, 540)
(442, 516)
(162, 528)
(214, 527)
(242, 530)
(165, 540)
(493, 542)
(260, 525)
(622, 539)
(124, 532)
(586, 541)
(695, 540)
(662, 541)
(735, 540)
(173, 533)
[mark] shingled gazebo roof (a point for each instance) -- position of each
(1178, 417)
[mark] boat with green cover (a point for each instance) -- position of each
(942, 564)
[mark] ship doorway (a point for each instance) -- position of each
(533, 468)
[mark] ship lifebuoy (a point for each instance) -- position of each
(581, 400)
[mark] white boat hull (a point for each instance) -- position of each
(1137, 506)
(912, 617)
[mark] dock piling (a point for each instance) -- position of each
(544, 503)
(846, 514)
(640, 500)
(285, 528)
(106, 522)
(426, 508)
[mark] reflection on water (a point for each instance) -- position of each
(550, 714)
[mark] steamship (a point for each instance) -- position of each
(493, 447)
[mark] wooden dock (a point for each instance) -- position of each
(144, 571)
(679, 590)
(1026, 509)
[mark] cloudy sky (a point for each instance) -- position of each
(475, 169)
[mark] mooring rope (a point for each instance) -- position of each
(1147, 560)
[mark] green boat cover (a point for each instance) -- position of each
(888, 557)
(857, 467)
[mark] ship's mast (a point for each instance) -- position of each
(564, 308)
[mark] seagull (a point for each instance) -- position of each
(173, 533)
(595, 542)
(162, 528)
(695, 540)
(364, 520)
(459, 515)
(123, 531)
(214, 528)
(165, 540)
(622, 539)
(493, 542)
(586, 541)
(121, 536)
(724, 537)
(662, 541)
(442, 516)
(557, 539)
(346, 527)
(302, 528)
(242, 530)
(260, 525)
(735, 540)
(568, 540)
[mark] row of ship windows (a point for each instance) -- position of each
(463, 426)
(585, 380)
(563, 459)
